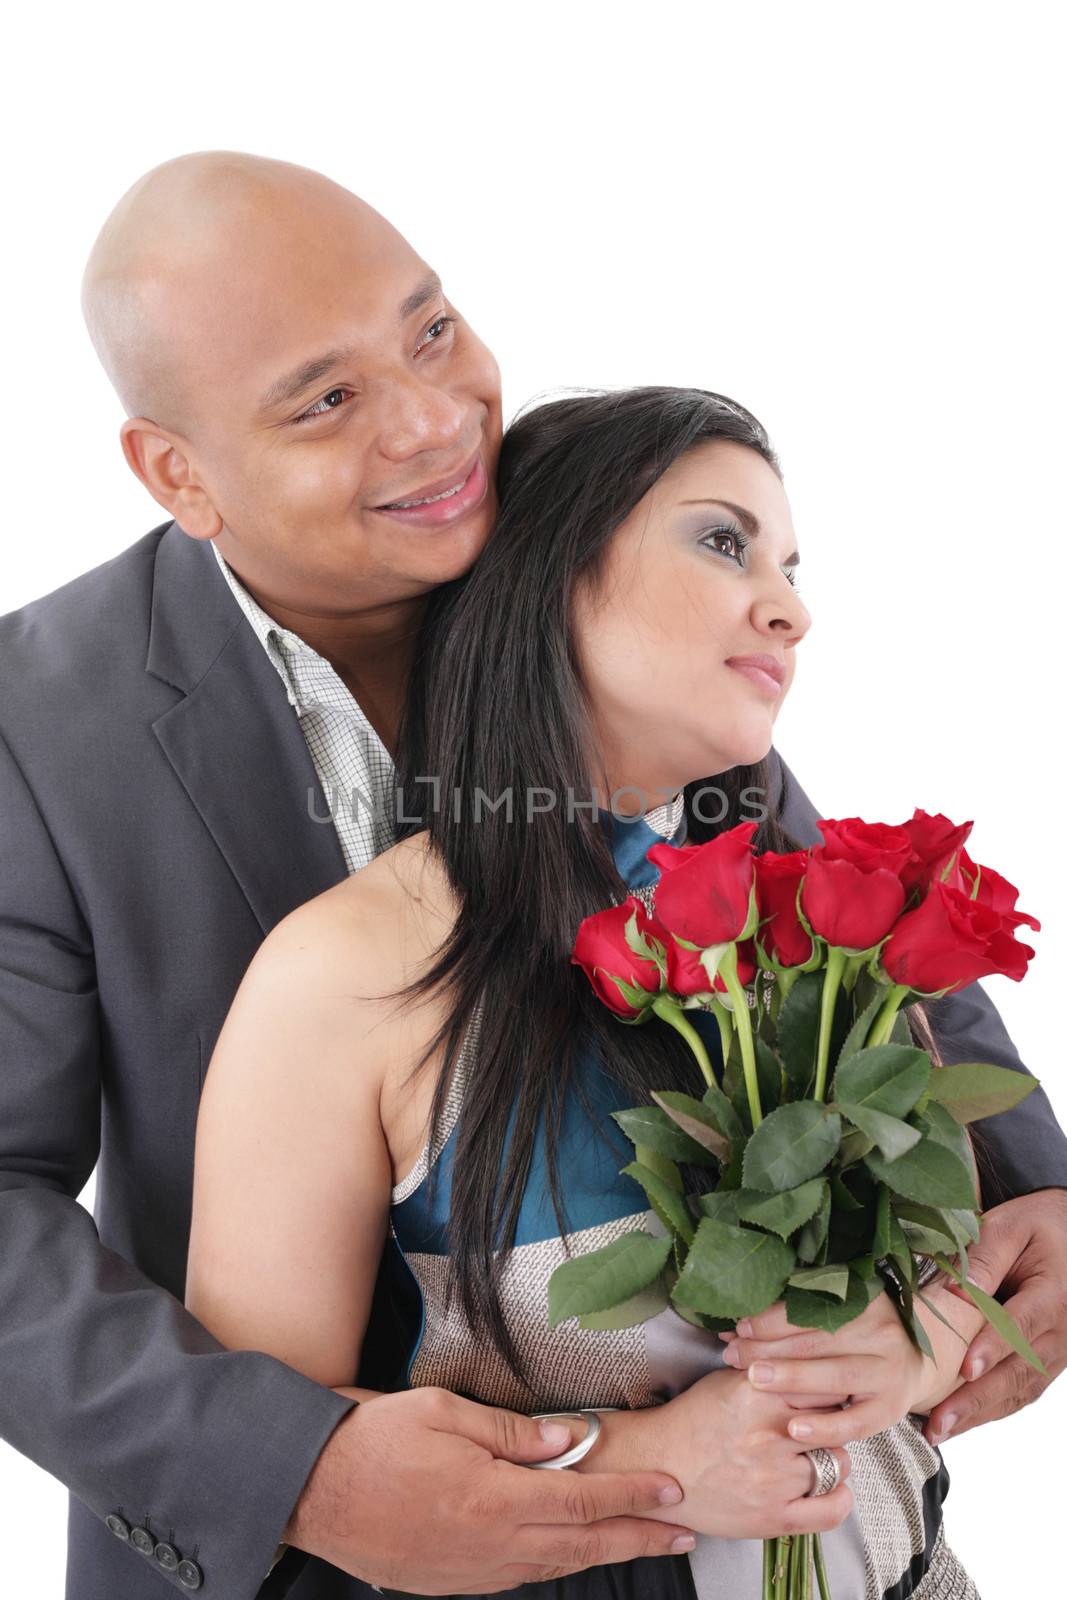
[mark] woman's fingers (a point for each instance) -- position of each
(817, 1513)
(828, 1430)
(798, 1347)
(835, 1375)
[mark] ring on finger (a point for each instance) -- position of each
(826, 1471)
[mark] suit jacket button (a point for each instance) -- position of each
(189, 1574)
(167, 1556)
(118, 1525)
(142, 1540)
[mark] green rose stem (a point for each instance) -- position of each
(671, 1012)
(836, 959)
(727, 971)
(882, 1026)
(820, 1571)
(770, 1550)
(726, 1027)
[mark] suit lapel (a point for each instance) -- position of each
(234, 741)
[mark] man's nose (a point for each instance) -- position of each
(416, 417)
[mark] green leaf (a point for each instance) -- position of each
(640, 1307)
(880, 1242)
(783, 1213)
(648, 1125)
(733, 1272)
(695, 1119)
(860, 1029)
(806, 1309)
(666, 1202)
(970, 1090)
(890, 1134)
(901, 1033)
(928, 1173)
(902, 1297)
(662, 1166)
(995, 1314)
(798, 1029)
(723, 1114)
(887, 1078)
(929, 1304)
(811, 1240)
(854, 1146)
(605, 1278)
(722, 1205)
(768, 1075)
(900, 1251)
(791, 1145)
(822, 1280)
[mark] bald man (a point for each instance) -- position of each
(195, 738)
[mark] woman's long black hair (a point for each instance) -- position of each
(496, 705)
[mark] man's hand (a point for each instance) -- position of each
(419, 1491)
(1022, 1251)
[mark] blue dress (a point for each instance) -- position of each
(891, 1546)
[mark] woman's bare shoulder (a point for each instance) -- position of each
(384, 913)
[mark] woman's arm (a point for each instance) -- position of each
(292, 1174)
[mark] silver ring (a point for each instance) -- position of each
(577, 1451)
(827, 1471)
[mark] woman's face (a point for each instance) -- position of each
(697, 578)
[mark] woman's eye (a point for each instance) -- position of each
(733, 535)
(329, 402)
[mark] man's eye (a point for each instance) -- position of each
(329, 402)
(443, 323)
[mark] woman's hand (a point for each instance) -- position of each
(726, 1444)
(871, 1361)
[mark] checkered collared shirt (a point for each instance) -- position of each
(353, 766)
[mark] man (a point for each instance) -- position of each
(322, 428)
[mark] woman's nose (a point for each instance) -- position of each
(783, 615)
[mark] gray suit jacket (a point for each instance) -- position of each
(154, 797)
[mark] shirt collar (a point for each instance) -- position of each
(277, 641)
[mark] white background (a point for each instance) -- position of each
(846, 217)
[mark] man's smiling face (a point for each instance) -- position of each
(307, 373)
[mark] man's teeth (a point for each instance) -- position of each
(446, 494)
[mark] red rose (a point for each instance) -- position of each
(782, 935)
(866, 845)
(686, 976)
(993, 890)
(850, 906)
(706, 896)
(950, 940)
(934, 839)
(600, 949)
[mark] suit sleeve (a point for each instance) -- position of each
(1018, 1151)
(106, 1380)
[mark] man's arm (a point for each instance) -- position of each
(1018, 1151)
(106, 1381)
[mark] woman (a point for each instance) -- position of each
(455, 1078)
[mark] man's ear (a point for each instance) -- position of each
(160, 461)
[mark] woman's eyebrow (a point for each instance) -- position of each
(745, 517)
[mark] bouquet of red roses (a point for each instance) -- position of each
(836, 1149)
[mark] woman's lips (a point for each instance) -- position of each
(749, 668)
(439, 513)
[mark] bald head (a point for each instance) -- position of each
(191, 246)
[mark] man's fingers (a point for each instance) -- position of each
(1033, 1310)
(551, 1552)
(577, 1497)
(1007, 1388)
(507, 1435)
(1004, 1234)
